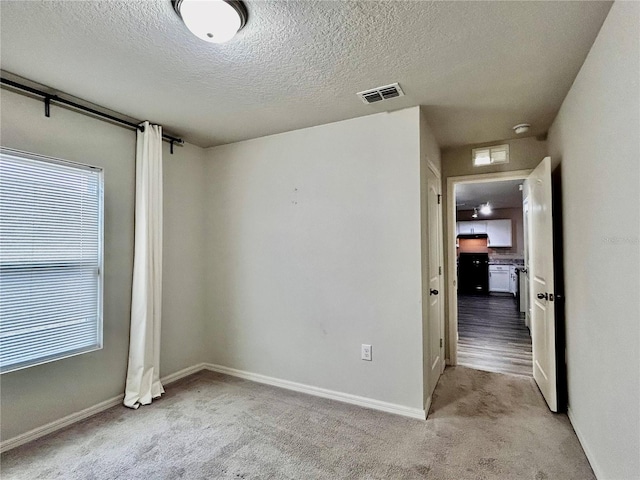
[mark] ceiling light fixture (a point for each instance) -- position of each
(215, 21)
(521, 128)
(485, 209)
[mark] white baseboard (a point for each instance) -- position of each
(86, 413)
(594, 465)
(298, 387)
(58, 424)
(321, 392)
(185, 372)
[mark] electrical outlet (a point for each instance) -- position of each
(365, 353)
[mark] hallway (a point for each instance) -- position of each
(492, 335)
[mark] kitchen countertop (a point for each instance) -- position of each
(506, 261)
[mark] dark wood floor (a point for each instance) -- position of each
(492, 335)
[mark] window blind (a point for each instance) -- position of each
(50, 259)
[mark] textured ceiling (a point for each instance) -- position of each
(478, 68)
(501, 194)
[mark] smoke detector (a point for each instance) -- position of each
(521, 128)
(381, 93)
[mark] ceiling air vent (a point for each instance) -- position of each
(381, 93)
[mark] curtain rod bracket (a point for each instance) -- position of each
(47, 106)
(171, 142)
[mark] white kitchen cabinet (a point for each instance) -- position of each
(500, 278)
(464, 228)
(470, 228)
(499, 233)
(503, 279)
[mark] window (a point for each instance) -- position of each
(50, 259)
(490, 155)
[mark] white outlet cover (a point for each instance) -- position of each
(366, 352)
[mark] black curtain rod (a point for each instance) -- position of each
(48, 98)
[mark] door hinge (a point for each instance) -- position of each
(439, 270)
(439, 198)
(440, 343)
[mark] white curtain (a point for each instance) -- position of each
(143, 374)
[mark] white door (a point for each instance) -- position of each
(436, 345)
(541, 286)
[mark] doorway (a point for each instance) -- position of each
(545, 318)
(488, 329)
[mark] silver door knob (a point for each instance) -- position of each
(543, 296)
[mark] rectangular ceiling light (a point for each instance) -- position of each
(490, 155)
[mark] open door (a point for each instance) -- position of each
(436, 334)
(541, 283)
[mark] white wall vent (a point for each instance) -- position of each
(381, 93)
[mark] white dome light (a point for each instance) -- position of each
(215, 21)
(521, 128)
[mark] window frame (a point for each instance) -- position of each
(502, 147)
(99, 345)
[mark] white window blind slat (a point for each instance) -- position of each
(50, 259)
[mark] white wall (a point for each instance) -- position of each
(38, 395)
(314, 249)
(429, 148)
(184, 242)
(595, 139)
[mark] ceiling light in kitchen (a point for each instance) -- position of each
(485, 209)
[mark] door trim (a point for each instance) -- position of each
(452, 289)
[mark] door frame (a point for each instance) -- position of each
(452, 287)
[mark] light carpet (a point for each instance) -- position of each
(482, 426)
